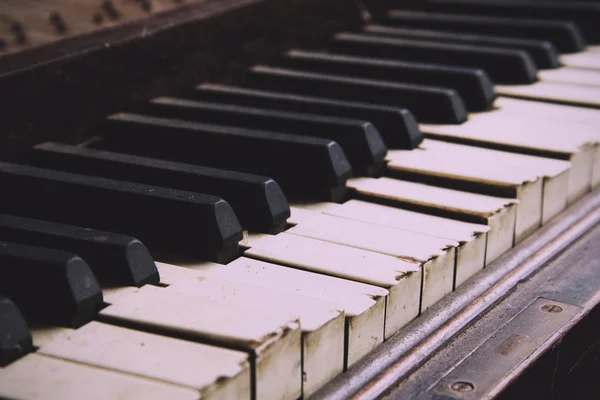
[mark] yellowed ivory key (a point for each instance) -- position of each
(364, 305)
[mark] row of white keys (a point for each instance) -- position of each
(322, 321)
(306, 246)
(401, 278)
(211, 372)
(586, 121)
(496, 212)
(268, 339)
(472, 238)
(364, 305)
(435, 256)
(37, 377)
(547, 137)
(540, 184)
(584, 60)
(271, 337)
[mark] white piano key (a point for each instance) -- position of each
(525, 187)
(579, 95)
(548, 138)
(213, 372)
(36, 377)
(584, 59)
(472, 238)
(594, 49)
(572, 76)
(498, 213)
(273, 339)
(588, 118)
(322, 321)
(585, 121)
(401, 277)
(509, 174)
(435, 255)
(363, 304)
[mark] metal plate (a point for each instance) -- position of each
(506, 350)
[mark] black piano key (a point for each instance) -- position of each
(48, 285)
(564, 35)
(15, 338)
(502, 65)
(360, 141)
(304, 166)
(115, 259)
(258, 201)
(397, 126)
(429, 104)
(542, 52)
(584, 14)
(167, 219)
(473, 85)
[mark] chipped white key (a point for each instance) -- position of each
(540, 184)
(571, 76)
(585, 59)
(364, 305)
(322, 321)
(509, 132)
(37, 377)
(400, 277)
(214, 372)
(472, 238)
(272, 339)
(580, 120)
(579, 95)
(498, 213)
(435, 255)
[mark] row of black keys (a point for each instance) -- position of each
(313, 158)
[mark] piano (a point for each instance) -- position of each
(277, 199)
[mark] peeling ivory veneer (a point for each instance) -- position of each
(321, 320)
(401, 278)
(435, 255)
(472, 238)
(212, 372)
(363, 304)
(548, 138)
(540, 184)
(498, 213)
(35, 376)
(272, 339)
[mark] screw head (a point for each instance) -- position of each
(551, 308)
(462, 387)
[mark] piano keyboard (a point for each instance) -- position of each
(256, 241)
